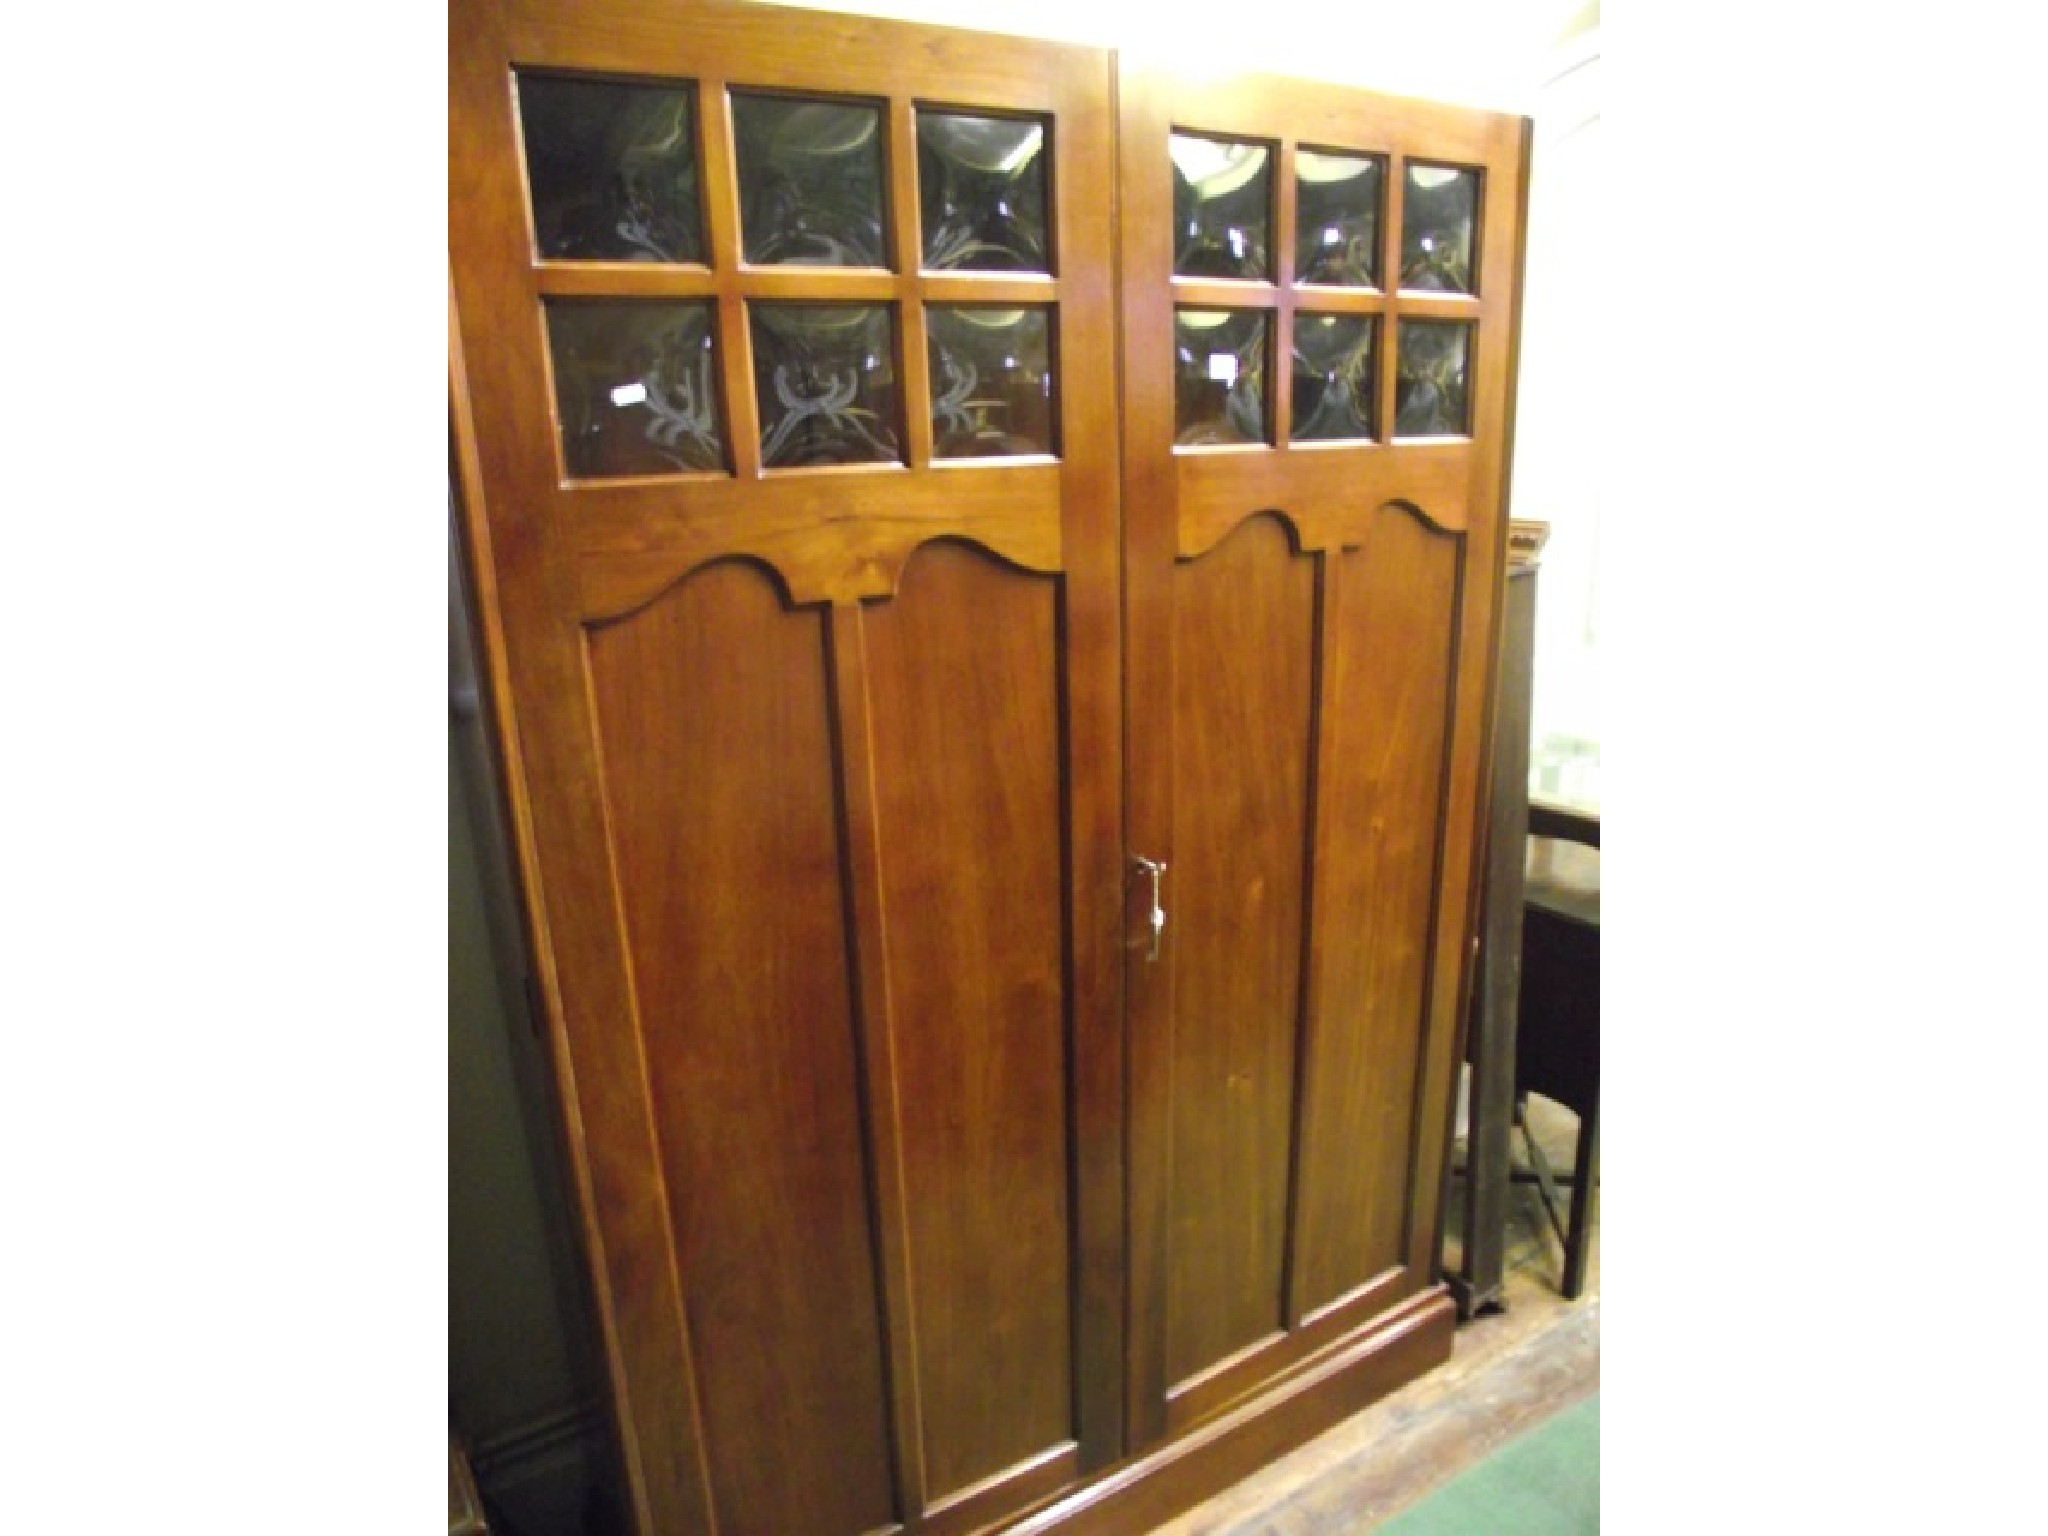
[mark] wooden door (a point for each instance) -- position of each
(783, 364)
(1319, 292)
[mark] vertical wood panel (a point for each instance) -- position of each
(965, 725)
(718, 767)
(877, 1042)
(1380, 809)
(1244, 636)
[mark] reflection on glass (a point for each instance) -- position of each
(1337, 219)
(981, 188)
(1219, 393)
(635, 386)
(825, 376)
(1333, 377)
(810, 181)
(992, 381)
(1221, 194)
(1432, 387)
(1439, 206)
(612, 170)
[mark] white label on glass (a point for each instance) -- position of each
(629, 394)
(1223, 367)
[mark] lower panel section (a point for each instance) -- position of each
(964, 716)
(1328, 1388)
(1381, 808)
(719, 784)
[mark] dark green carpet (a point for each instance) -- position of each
(1543, 1483)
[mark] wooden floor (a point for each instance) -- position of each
(1507, 1373)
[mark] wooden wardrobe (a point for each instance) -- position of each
(988, 556)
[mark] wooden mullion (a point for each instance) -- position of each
(623, 279)
(906, 244)
(824, 285)
(1006, 288)
(1280, 365)
(1441, 306)
(722, 230)
(1340, 301)
(1223, 293)
(1396, 302)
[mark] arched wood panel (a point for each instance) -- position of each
(965, 723)
(1244, 638)
(719, 778)
(1380, 810)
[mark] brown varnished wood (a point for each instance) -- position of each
(1389, 842)
(619, 560)
(719, 770)
(963, 684)
(1328, 491)
(1145, 319)
(836, 534)
(526, 594)
(1380, 798)
(1244, 639)
(885, 893)
(613, 279)
(879, 1077)
(1294, 1406)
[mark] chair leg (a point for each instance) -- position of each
(1585, 1186)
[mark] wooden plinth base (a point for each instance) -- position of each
(1323, 1391)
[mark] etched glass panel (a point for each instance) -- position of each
(635, 386)
(992, 381)
(1219, 376)
(981, 190)
(1333, 377)
(1337, 219)
(810, 181)
(1439, 208)
(1222, 196)
(1432, 388)
(612, 170)
(825, 376)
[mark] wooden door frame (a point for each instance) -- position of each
(1179, 504)
(541, 576)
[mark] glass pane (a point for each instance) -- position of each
(1219, 376)
(1333, 376)
(1432, 392)
(1221, 194)
(635, 386)
(981, 188)
(1439, 207)
(825, 375)
(1337, 219)
(810, 181)
(613, 170)
(992, 381)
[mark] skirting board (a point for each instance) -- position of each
(1414, 1338)
(541, 1474)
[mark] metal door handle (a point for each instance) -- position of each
(1156, 869)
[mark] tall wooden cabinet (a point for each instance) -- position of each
(988, 573)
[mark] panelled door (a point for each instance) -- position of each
(1319, 292)
(786, 424)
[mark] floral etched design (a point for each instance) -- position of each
(825, 378)
(612, 170)
(635, 386)
(981, 190)
(1432, 393)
